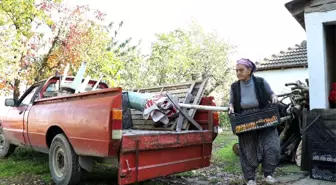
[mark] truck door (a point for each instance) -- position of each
(14, 123)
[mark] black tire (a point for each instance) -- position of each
(6, 149)
(63, 162)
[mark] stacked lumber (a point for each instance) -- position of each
(187, 93)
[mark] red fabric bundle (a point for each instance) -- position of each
(332, 95)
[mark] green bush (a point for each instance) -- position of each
(224, 120)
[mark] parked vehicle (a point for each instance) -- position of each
(77, 130)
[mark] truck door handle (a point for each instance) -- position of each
(21, 111)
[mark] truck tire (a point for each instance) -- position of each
(6, 149)
(63, 162)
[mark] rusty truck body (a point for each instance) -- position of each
(78, 129)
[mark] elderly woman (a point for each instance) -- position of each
(260, 146)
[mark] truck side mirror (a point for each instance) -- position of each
(9, 102)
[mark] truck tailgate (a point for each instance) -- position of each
(150, 154)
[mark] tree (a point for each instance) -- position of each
(211, 58)
(90, 40)
(18, 21)
(170, 60)
(70, 38)
(77, 35)
(53, 35)
(191, 54)
(131, 71)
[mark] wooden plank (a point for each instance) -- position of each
(148, 123)
(150, 127)
(181, 118)
(169, 86)
(185, 114)
(167, 89)
(183, 90)
(196, 101)
(143, 122)
(180, 95)
(133, 111)
(189, 97)
(172, 90)
(177, 91)
(306, 156)
(138, 117)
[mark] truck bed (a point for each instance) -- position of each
(147, 154)
(149, 151)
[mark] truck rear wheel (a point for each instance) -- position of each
(63, 162)
(6, 149)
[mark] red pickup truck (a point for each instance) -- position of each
(77, 130)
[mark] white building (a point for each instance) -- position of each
(318, 18)
(287, 66)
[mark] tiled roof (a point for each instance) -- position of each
(292, 58)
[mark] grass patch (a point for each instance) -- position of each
(223, 139)
(285, 169)
(185, 174)
(27, 166)
(23, 162)
(224, 156)
(229, 160)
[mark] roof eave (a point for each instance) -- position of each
(297, 8)
(271, 68)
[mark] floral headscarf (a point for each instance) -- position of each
(248, 63)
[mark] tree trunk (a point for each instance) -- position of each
(16, 86)
(44, 63)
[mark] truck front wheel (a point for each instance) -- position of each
(6, 149)
(63, 162)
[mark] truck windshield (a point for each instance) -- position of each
(52, 88)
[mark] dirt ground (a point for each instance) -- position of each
(206, 176)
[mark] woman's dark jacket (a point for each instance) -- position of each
(261, 93)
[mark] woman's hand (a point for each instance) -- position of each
(274, 99)
(231, 109)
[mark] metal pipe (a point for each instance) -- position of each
(220, 109)
(283, 119)
(285, 94)
(203, 107)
